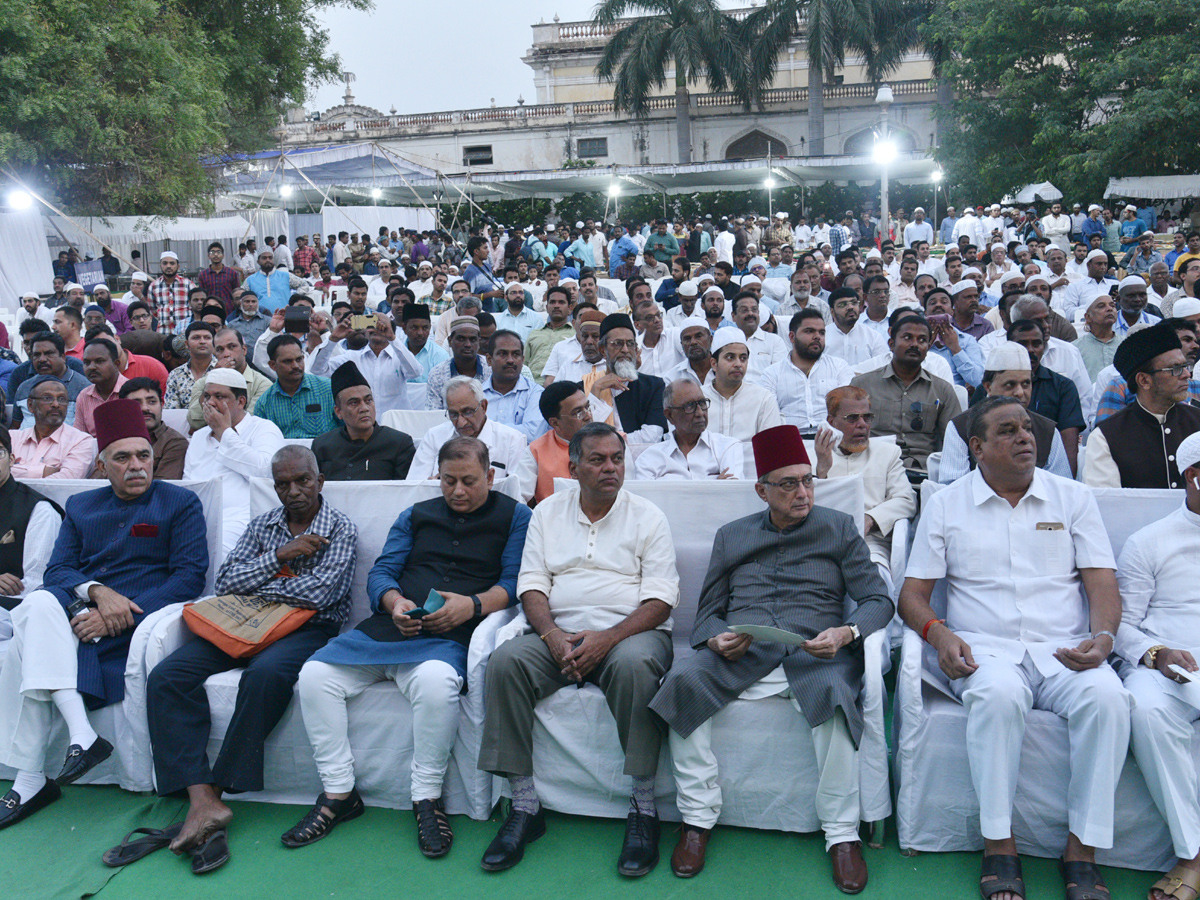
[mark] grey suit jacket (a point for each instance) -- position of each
(796, 580)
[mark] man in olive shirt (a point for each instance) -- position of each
(557, 328)
(349, 452)
(907, 401)
(169, 446)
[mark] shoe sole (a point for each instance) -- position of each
(679, 874)
(638, 873)
(508, 866)
(346, 818)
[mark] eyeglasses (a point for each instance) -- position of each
(621, 345)
(454, 416)
(855, 418)
(918, 422)
(692, 406)
(879, 292)
(791, 485)
(1176, 371)
(584, 412)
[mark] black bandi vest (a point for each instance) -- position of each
(1043, 435)
(450, 552)
(1144, 450)
(17, 501)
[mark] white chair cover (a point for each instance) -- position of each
(177, 419)
(413, 422)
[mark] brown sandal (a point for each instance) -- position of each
(1181, 883)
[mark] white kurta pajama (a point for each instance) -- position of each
(40, 534)
(1161, 606)
(1015, 596)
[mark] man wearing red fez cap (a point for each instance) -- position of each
(123, 552)
(789, 567)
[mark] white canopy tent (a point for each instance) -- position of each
(25, 260)
(1155, 187)
(1045, 192)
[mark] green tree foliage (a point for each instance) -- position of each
(109, 106)
(1068, 91)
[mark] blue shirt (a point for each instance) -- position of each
(273, 291)
(967, 364)
(1132, 229)
(1092, 226)
(623, 246)
(946, 232)
(518, 408)
(431, 354)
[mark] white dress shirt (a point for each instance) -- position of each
(596, 574)
(663, 356)
(387, 373)
(888, 495)
(917, 231)
(1079, 294)
(244, 452)
(1064, 358)
(507, 447)
(1012, 573)
(801, 397)
(862, 342)
(1160, 593)
(522, 324)
(766, 349)
(713, 454)
(751, 409)
(723, 244)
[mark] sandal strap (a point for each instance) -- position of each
(1180, 879)
(1006, 870)
(432, 824)
(1089, 885)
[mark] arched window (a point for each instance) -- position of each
(756, 144)
(862, 143)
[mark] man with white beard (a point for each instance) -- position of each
(632, 403)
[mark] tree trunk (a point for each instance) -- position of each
(816, 108)
(683, 118)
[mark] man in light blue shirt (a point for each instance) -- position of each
(517, 317)
(580, 250)
(946, 232)
(622, 245)
(776, 268)
(512, 398)
(272, 286)
(958, 348)
(429, 354)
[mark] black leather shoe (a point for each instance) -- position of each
(12, 810)
(639, 854)
(508, 848)
(79, 761)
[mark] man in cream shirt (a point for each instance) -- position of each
(737, 409)
(597, 586)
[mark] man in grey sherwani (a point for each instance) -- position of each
(790, 567)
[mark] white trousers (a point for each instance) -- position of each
(998, 697)
(41, 659)
(432, 687)
(1162, 745)
(698, 793)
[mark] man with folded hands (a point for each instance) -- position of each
(300, 554)
(466, 545)
(791, 567)
(1031, 611)
(122, 552)
(1158, 642)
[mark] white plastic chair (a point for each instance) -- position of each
(177, 419)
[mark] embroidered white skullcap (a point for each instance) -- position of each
(168, 254)
(1132, 281)
(714, 290)
(140, 276)
(726, 336)
(971, 270)
(750, 279)
(231, 378)
(1008, 356)
(72, 286)
(1185, 307)
(1011, 275)
(965, 284)
(1188, 453)
(688, 289)
(1096, 254)
(1032, 278)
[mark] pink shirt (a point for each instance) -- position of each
(87, 401)
(71, 449)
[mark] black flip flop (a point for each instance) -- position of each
(129, 851)
(212, 854)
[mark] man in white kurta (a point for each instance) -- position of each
(1017, 548)
(386, 363)
(1160, 628)
(801, 379)
(233, 447)
(466, 407)
(737, 409)
(692, 451)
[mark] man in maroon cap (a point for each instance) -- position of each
(122, 552)
(789, 567)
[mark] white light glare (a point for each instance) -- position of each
(19, 199)
(937, 176)
(885, 153)
(614, 190)
(769, 183)
(285, 191)
(376, 193)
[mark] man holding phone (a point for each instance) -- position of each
(958, 348)
(426, 656)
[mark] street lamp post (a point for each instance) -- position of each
(937, 181)
(769, 184)
(885, 152)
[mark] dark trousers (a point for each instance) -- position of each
(177, 707)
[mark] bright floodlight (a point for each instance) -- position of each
(885, 153)
(376, 193)
(769, 183)
(19, 199)
(285, 191)
(937, 176)
(614, 190)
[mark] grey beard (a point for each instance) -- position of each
(625, 370)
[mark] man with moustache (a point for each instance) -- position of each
(361, 449)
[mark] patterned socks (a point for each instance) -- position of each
(642, 798)
(524, 794)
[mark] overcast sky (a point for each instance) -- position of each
(467, 53)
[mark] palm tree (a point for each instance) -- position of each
(695, 35)
(832, 28)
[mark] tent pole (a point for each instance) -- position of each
(254, 215)
(323, 194)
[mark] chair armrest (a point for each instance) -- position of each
(168, 634)
(483, 641)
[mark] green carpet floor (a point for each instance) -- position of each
(56, 856)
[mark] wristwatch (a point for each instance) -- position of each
(855, 635)
(478, 606)
(1150, 657)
